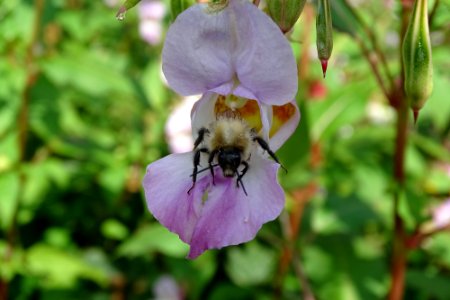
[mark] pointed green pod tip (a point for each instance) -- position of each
(125, 7)
(417, 62)
(324, 33)
(285, 12)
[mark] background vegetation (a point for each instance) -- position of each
(83, 109)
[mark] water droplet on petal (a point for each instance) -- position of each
(121, 13)
(246, 220)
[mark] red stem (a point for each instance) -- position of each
(400, 103)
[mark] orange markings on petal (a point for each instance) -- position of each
(233, 106)
(281, 114)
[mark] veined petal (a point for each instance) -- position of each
(229, 217)
(212, 216)
(166, 184)
(264, 62)
(236, 50)
(197, 52)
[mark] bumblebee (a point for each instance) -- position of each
(230, 139)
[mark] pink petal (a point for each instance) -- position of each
(264, 60)
(202, 114)
(237, 50)
(166, 184)
(229, 217)
(151, 9)
(197, 51)
(441, 214)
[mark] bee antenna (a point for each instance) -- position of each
(239, 180)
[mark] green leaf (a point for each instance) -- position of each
(59, 268)
(153, 238)
(12, 261)
(87, 71)
(252, 264)
(343, 17)
(154, 90)
(346, 105)
(428, 285)
(113, 229)
(9, 187)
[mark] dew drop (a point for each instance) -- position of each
(121, 13)
(246, 220)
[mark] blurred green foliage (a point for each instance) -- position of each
(82, 112)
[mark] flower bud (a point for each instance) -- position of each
(285, 12)
(324, 31)
(417, 62)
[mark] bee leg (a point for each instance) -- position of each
(201, 136)
(196, 164)
(263, 144)
(210, 160)
(239, 178)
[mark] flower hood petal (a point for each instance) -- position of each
(236, 50)
(264, 61)
(197, 51)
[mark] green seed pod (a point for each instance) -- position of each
(285, 12)
(324, 33)
(417, 62)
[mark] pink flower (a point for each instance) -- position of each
(178, 127)
(166, 288)
(244, 67)
(151, 13)
(441, 214)
(215, 213)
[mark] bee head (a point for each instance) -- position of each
(229, 160)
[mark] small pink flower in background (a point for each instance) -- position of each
(379, 112)
(166, 288)
(178, 127)
(441, 214)
(111, 3)
(151, 13)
